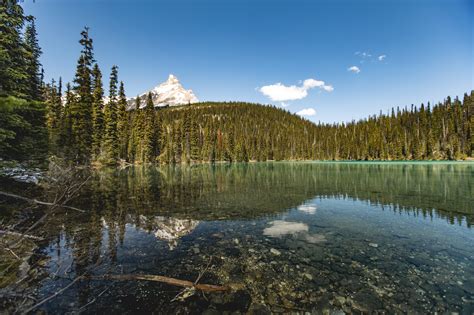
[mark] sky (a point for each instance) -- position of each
(328, 61)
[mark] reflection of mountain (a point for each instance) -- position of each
(167, 229)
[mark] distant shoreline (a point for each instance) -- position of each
(467, 161)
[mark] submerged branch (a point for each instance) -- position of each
(37, 238)
(39, 202)
(54, 295)
(168, 280)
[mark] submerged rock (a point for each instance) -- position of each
(275, 251)
(315, 238)
(308, 276)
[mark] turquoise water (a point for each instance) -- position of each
(287, 237)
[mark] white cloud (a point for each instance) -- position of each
(382, 57)
(306, 112)
(312, 83)
(280, 93)
(328, 88)
(354, 69)
(283, 104)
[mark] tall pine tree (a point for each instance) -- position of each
(53, 114)
(122, 122)
(65, 132)
(81, 108)
(149, 139)
(33, 65)
(14, 80)
(111, 148)
(97, 111)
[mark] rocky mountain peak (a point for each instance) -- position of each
(168, 93)
(172, 79)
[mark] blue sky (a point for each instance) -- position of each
(262, 51)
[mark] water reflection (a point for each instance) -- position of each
(167, 229)
(307, 208)
(279, 228)
(253, 190)
(337, 236)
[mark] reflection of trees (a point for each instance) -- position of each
(206, 192)
(445, 190)
(169, 201)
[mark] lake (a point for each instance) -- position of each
(286, 237)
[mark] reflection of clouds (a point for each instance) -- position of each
(279, 228)
(308, 208)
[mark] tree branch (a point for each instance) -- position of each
(39, 202)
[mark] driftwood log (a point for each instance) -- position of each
(163, 279)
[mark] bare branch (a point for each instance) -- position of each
(50, 204)
(22, 235)
(168, 280)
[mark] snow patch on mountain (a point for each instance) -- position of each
(168, 93)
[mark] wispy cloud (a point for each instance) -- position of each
(328, 88)
(354, 69)
(363, 54)
(366, 56)
(280, 93)
(306, 112)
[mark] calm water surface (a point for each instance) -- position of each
(287, 237)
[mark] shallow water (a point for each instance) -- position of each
(288, 237)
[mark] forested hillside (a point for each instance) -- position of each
(223, 132)
(242, 132)
(443, 131)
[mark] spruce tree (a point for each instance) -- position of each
(111, 148)
(122, 122)
(149, 140)
(81, 108)
(53, 114)
(13, 70)
(65, 132)
(60, 86)
(33, 65)
(97, 111)
(135, 129)
(194, 140)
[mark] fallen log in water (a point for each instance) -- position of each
(163, 279)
